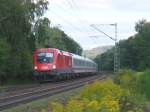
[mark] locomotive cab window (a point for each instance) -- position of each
(43, 57)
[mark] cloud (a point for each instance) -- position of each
(132, 5)
(75, 19)
(94, 4)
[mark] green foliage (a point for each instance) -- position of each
(4, 59)
(138, 85)
(144, 84)
(139, 25)
(16, 22)
(127, 79)
(21, 26)
(134, 52)
(107, 96)
(105, 61)
(101, 96)
(47, 36)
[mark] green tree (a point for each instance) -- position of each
(4, 59)
(21, 26)
(139, 25)
(54, 37)
(134, 52)
(105, 60)
(17, 18)
(40, 30)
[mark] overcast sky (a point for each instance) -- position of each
(75, 17)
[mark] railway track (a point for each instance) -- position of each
(10, 91)
(21, 89)
(28, 96)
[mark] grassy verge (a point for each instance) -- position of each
(37, 106)
(128, 92)
(14, 82)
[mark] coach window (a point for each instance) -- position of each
(78, 62)
(75, 62)
(82, 63)
(86, 64)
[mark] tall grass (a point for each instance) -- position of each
(126, 79)
(144, 84)
(101, 96)
(126, 93)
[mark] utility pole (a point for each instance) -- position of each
(116, 49)
(116, 52)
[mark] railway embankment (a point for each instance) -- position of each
(23, 96)
(128, 91)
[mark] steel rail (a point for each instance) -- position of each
(12, 101)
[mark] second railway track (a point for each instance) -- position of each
(21, 98)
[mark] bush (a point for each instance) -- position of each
(4, 57)
(144, 84)
(138, 84)
(126, 79)
(101, 96)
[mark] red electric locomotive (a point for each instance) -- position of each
(51, 63)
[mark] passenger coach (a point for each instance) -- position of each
(51, 63)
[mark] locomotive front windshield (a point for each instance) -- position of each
(43, 57)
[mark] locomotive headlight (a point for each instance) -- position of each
(54, 67)
(35, 67)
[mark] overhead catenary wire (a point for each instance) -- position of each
(81, 18)
(61, 7)
(79, 15)
(66, 21)
(76, 13)
(85, 22)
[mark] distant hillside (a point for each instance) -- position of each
(95, 51)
